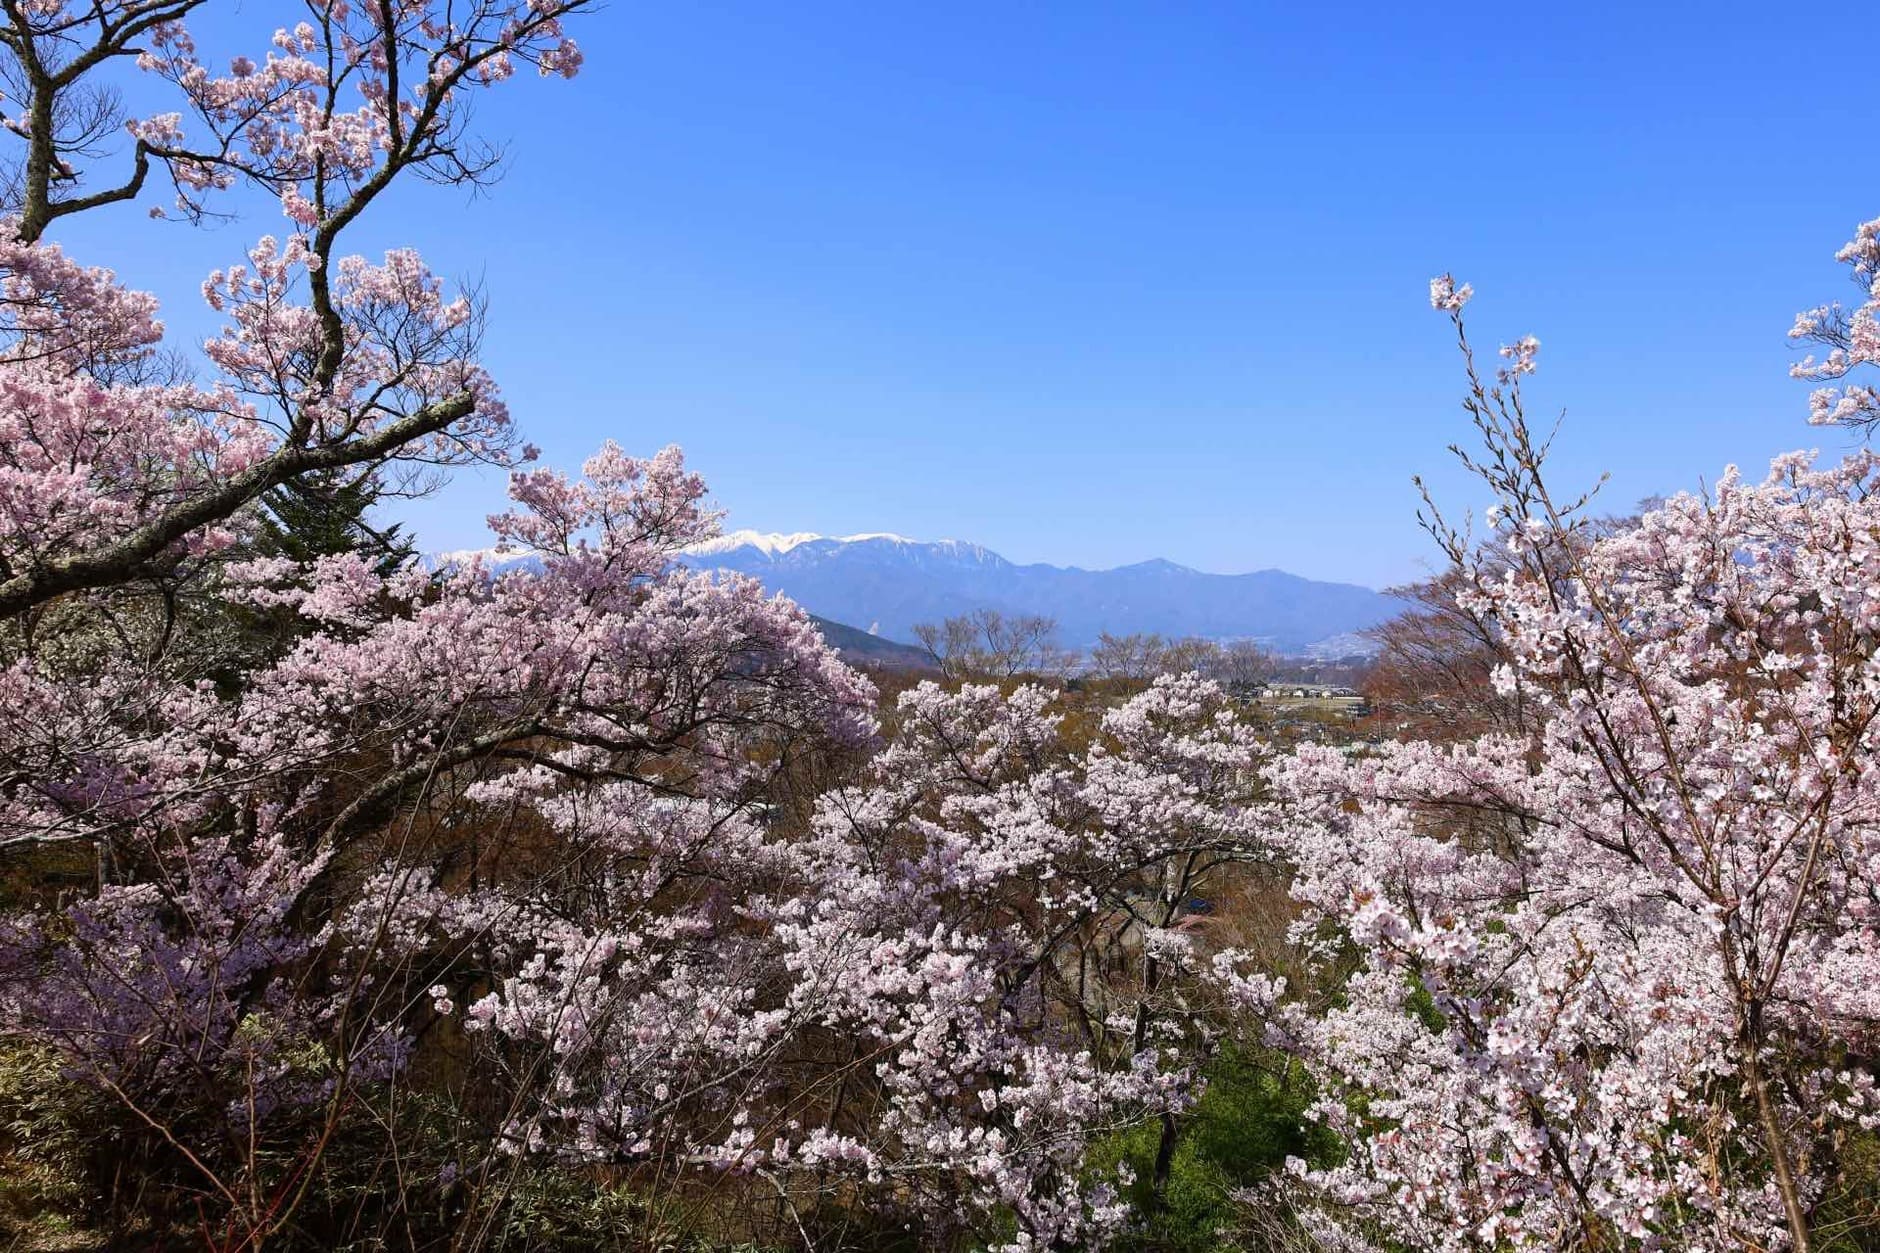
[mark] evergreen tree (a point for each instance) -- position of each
(320, 515)
(323, 515)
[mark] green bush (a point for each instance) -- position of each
(1849, 1218)
(1249, 1120)
(45, 1122)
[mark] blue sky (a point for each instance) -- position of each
(1095, 283)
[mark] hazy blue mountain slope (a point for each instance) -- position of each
(859, 648)
(886, 584)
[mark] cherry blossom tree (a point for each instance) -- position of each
(1615, 981)
(329, 362)
(1851, 338)
(456, 793)
(1000, 921)
(442, 779)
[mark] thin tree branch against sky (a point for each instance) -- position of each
(1095, 287)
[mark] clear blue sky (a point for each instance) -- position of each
(1095, 283)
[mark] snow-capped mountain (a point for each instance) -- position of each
(888, 583)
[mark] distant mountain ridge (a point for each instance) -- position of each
(887, 583)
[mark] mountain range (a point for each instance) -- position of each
(887, 583)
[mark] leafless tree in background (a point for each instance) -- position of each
(1240, 666)
(1134, 657)
(988, 644)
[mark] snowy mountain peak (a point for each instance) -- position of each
(464, 557)
(769, 542)
(775, 544)
(864, 537)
